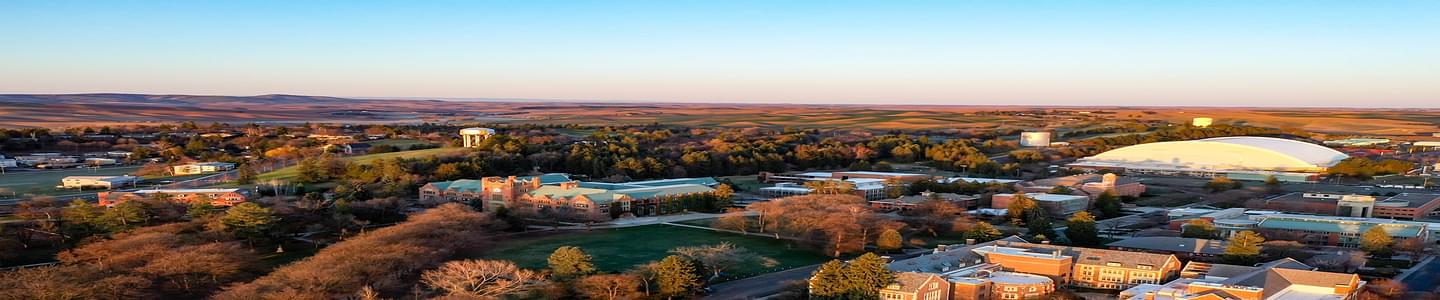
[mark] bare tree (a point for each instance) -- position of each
(610, 286)
(481, 278)
(719, 257)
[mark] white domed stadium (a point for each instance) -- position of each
(1241, 157)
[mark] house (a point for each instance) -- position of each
(1283, 279)
(201, 168)
(217, 197)
(107, 182)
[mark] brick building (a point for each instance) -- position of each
(1284, 279)
(556, 193)
(1410, 206)
(1091, 185)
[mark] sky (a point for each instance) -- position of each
(1215, 53)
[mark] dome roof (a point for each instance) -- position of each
(1226, 153)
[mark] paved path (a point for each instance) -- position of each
(759, 286)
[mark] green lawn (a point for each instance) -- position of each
(289, 173)
(44, 182)
(616, 250)
(398, 143)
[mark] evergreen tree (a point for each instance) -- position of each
(676, 276)
(1376, 241)
(889, 240)
(1108, 204)
(983, 232)
(1244, 248)
(828, 282)
(866, 275)
(248, 221)
(201, 209)
(1081, 230)
(123, 216)
(246, 174)
(570, 261)
(1038, 222)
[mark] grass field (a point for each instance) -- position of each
(44, 182)
(398, 143)
(619, 249)
(289, 173)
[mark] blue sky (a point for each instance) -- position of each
(1250, 53)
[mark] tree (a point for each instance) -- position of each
(828, 282)
(1376, 241)
(1038, 223)
(1019, 205)
(1278, 249)
(570, 261)
(866, 275)
(1244, 248)
(245, 174)
(733, 220)
(1108, 204)
(1383, 289)
(609, 286)
(248, 221)
(1198, 228)
(724, 191)
(717, 258)
(889, 240)
(1221, 184)
(1272, 184)
(123, 216)
(1061, 190)
(676, 276)
(983, 232)
(201, 209)
(830, 187)
(1081, 230)
(480, 278)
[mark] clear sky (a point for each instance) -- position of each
(1250, 53)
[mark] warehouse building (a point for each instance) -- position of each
(106, 182)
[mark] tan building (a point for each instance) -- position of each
(1056, 205)
(106, 182)
(202, 168)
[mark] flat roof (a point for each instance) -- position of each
(1341, 224)
(1173, 244)
(1052, 197)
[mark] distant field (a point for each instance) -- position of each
(44, 182)
(289, 173)
(616, 250)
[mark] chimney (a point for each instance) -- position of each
(569, 185)
(1045, 242)
(1056, 253)
(1150, 295)
(510, 180)
(1109, 179)
(969, 241)
(939, 248)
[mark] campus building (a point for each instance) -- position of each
(868, 188)
(1410, 206)
(1332, 231)
(1283, 279)
(1181, 247)
(217, 197)
(202, 168)
(1055, 205)
(556, 193)
(1091, 185)
(909, 202)
(907, 178)
(106, 182)
(1240, 157)
(1012, 268)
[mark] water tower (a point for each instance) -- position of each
(472, 136)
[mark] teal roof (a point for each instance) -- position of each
(601, 195)
(461, 185)
(1340, 226)
(705, 181)
(548, 178)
